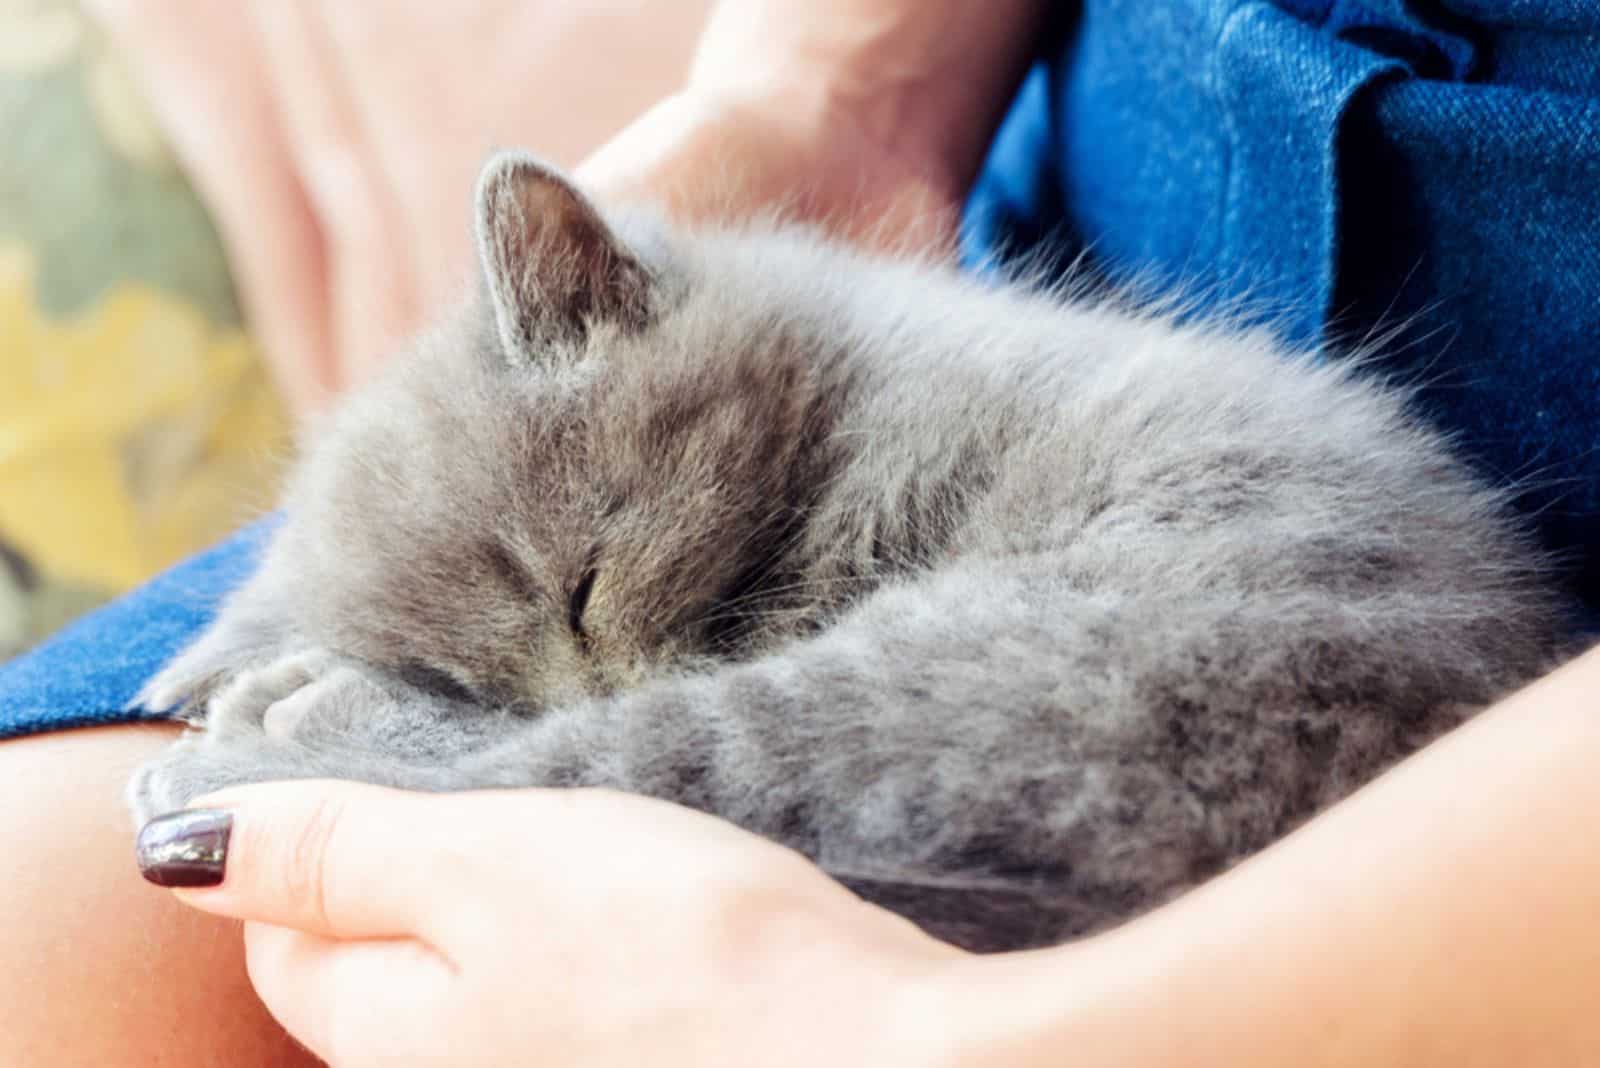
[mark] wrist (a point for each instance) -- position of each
(925, 81)
(1013, 1009)
(1105, 1000)
(728, 154)
(824, 106)
(822, 123)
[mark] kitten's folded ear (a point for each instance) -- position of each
(552, 265)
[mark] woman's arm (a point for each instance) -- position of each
(936, 74)
(872, 116)
(1446, 914)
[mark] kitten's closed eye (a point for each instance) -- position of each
(432, 680)
(578, 604)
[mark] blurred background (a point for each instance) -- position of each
(140, 415)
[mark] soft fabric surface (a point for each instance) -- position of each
(88, 673)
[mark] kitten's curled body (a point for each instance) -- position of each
(1018, 615)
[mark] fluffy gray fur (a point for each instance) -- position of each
(1017, 614)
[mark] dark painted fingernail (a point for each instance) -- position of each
(185, 848)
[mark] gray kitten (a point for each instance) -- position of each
(1018, 615)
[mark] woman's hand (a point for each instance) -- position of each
(547, 927)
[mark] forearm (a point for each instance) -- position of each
(924, 76)
(1443, 915)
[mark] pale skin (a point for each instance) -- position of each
(1440, 916)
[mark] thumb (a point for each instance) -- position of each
(322, 856)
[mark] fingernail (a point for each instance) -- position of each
(185, 848)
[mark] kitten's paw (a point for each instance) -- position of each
(318, 715)
(188, 687)
(343, 704)
(181, 690)
(263, 698)
(263, 723)
(197, 764)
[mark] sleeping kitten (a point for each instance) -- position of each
(1017, 616)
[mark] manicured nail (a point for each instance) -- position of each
(185, 848)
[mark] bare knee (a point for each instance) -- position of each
(96, 966)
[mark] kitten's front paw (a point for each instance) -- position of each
(316, 715)
(197, 765)
(273, 697)
(189, 687)
(181, 690)
(288, 719)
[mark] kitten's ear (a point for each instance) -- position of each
(552, 265)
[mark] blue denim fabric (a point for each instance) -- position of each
(1341, 165)
(86, 675)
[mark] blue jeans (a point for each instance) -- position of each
(1338, 168)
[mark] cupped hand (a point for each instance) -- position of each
(546, 927)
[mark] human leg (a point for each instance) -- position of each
(98, 966)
